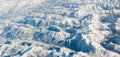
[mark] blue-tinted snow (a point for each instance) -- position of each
(26, 43)
(111, 20)
(50, 54)
(111, 44)
(51, 28)
(79, 44)
(54, 22)
(71, 54)
(8, 42)
(63, 55)
(56, 48)
(7, 28)
(38, 36)
(23, 52)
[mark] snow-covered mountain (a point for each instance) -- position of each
(60, 28)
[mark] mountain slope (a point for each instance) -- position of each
(59, 28)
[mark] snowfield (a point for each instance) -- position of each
(59, 28)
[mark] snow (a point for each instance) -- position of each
(60, 28)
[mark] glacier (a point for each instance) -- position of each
(59, 28)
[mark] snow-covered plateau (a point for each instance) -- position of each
(59, 28)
